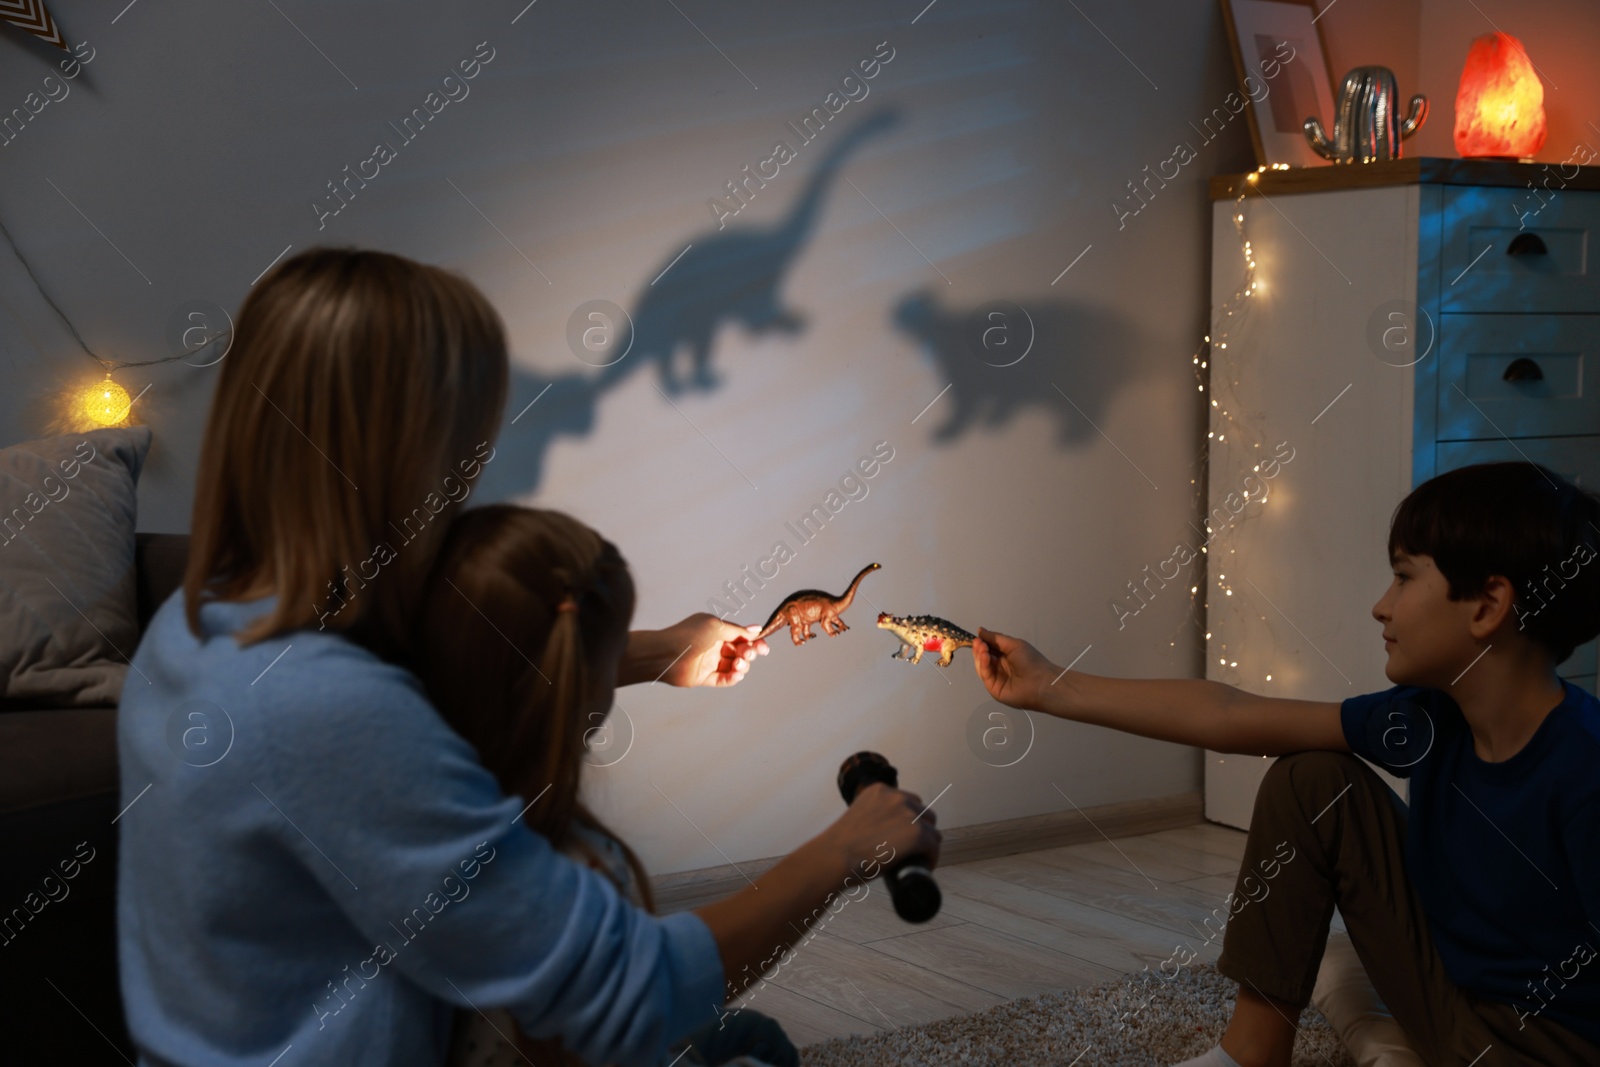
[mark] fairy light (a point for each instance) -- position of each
(95, 404)
(1223, 325)
(104, 403)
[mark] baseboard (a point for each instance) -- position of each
(966, 844)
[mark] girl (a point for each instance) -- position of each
(520, 631)
(335, 872)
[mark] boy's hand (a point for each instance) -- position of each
(1012, 670)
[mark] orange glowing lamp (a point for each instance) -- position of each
(1500, 105)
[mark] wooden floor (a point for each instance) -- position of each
(1009, 927)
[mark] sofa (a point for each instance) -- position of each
(58, 799)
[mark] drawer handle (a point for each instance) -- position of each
(1527, 244)
(1523, 369)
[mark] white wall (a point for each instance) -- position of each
(198, 137)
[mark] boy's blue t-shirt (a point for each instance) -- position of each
(1505, 857)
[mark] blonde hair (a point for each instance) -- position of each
(357, 383)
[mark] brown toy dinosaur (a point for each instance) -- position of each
(800, 610)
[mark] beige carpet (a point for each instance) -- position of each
(1142, 1020)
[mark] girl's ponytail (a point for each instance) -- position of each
(567, 663)
(523, 624)
(554, 718)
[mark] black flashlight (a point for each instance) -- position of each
(911, 886)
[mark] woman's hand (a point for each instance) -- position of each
(1012, 670)
(755, 926)
(700, 650)
(880, 825)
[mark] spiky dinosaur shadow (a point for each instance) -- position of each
(730, 275)
(1077, 357)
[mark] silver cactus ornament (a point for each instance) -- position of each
(1364, 126)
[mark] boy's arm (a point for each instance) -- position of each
(1188, 711)
(1194, 711)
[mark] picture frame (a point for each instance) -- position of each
(1280, 91)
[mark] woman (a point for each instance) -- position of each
(310, 858)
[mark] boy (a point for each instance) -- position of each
(1476, 912)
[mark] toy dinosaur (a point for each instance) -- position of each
(800, 610)
(925, 633)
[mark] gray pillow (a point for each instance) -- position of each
(68, 607)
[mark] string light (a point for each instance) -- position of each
(105, 404)
(1222, 327)
(99, 403)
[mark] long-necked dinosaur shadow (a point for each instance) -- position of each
(1001, 358)
(731, 274)
(540, 408)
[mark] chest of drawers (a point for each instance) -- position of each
(1410, 317)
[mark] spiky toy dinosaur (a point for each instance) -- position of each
(925, 633)
(800, 610)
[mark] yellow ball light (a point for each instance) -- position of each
(105, 403)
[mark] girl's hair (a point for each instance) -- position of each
(522, 680)
(360, 396)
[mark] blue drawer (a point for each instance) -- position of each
(1507, 249)
(1477, 402)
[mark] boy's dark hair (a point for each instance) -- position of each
(1519, 520)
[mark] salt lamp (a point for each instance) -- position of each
(1500, 105)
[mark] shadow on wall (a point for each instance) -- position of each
(727, 276)
(730, 276)
(1001, 357)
